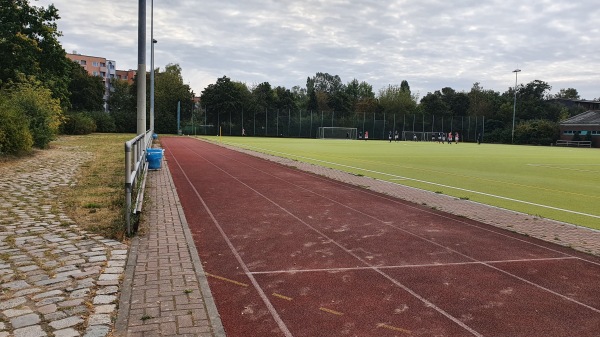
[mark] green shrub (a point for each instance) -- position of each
(498, 136)
(43, 113)
(104, 121)
(78, 123)
(537, 132)
(15, 138)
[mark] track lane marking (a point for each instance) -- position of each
(425, 265)
(284, 329)
(226, 279)
(282, 297)
(337, 313)
(395, 200)
(393, 328)
(413, 234)
(388, 277)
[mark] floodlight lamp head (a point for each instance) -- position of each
(516, 70)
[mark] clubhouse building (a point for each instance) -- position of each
(582, 127)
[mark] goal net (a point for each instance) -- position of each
(336, 133)
(420, 136)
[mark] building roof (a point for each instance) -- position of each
(590, 117)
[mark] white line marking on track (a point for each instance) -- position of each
(437, 184)
(261, 293)
(418, 236)
(377, 269)
(388, 277)
(293, 271)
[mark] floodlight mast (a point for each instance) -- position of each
(516, 71)
(153, 41)
(141, 70)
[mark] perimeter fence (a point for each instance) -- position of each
(305, 124)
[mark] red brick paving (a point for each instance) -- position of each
(166, 293)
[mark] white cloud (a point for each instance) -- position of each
(432, 44)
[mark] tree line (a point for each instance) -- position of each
(43, 94)
(228, 104)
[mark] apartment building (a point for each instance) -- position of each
(106, 69)
(126, 75)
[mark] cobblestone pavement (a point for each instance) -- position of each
(579, 238)
(55, 279)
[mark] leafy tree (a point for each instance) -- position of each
(328, 93)
(404, 87)
(29, 47)
(396, 99)
(122, 106)
(284, 99)
(87, 92)
(569, 93)
(459, 105)
(300, 97)
(530, 99)
(361, 96)
(226, 97)
(263, 97)
(169, 89)
(434, 104)
(483, 102)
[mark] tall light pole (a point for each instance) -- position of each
(516, 71)
(141, 70)
(152, 65)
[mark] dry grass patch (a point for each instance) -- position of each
(96, 202)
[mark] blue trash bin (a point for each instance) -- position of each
(154, 158)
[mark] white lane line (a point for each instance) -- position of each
(261, 293)
(386, 276)
(563, 168)
(495, 231)
(425, 265)
(436, 184)
(417, 236)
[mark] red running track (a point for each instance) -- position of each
(290, 253)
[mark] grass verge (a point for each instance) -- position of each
(96, 202)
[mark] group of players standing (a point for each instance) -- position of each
(442, 138)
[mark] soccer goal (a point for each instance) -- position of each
(333, 132)
(419, 136)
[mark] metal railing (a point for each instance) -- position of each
(135, 172)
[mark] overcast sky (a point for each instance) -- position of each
(431, 44)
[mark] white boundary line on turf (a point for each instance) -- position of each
(432, 183)
(293, 271)
(561, 168)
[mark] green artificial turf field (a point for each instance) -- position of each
(552, 182)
